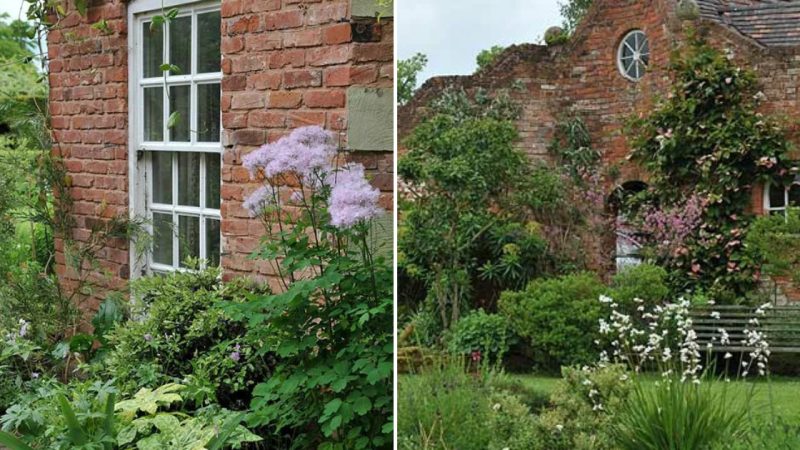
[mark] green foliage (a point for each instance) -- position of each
(677, 415)
(776, 241)
(330, 327)
(468, 230)
(557, 318)
(572, 147)
(84, 415)
(708, 139)
(645, 282)
(573, 12)
(445, 407)
(184, 336)
(489, 334)
(487, 56)
(777, 435)
(582, 409)
(407, 71)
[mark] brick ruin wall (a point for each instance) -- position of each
(581, 79)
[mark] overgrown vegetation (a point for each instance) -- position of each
(706, 146)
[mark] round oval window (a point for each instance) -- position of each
(633, 55)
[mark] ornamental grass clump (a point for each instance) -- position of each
(330, 324)
(683, 409)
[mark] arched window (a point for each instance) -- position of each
(778, 199)
(633, 55)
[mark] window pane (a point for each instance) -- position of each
(212, 242)
(154, 114)
(162, 177)
(776, 196)
(180, 44)
(212, 180)
(153, 48)
(179, 101)
(189, 235)
(208, 38)
(208, 117)
(162, 238)
(189, 179)
(794, 195)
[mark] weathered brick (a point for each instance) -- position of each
(327, 98)
(302, 78)
(284, 99)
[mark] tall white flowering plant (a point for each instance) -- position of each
(683, 409)
(330, 325)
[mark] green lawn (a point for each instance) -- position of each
(784, 392)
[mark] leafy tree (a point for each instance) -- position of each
(407, 71)
(467, 227)
(486, 57)
(573, 12)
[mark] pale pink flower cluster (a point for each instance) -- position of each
(353, 199)
(307, 151)
(259, 200)
(669, 228)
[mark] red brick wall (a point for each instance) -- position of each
(285, 63)
(88, 105)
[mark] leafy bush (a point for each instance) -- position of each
(445, 407)
(645, 282)
(86, 415)
(582, 409)
(677, 415)
(183, 335)
(331, 325)
(776, 240)
(489, 334)
(557, 318)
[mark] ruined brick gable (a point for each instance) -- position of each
(581, 78)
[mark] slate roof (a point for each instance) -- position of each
(773, 23)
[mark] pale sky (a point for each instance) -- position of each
(452, 32)
(12, 7)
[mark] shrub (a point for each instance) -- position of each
(677, 415)
(582, 409)
(489, 334)
(557, 318)
(87, 415)
(445, 407)
(183, 335)
(646, 282)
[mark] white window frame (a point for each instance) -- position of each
(636, 55)
(140, 151)
(767, 204)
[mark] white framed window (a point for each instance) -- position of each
(175, 128)
(633, 55)
(779, 199)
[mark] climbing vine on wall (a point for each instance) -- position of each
(707, 144)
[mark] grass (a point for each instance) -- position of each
(785, 393)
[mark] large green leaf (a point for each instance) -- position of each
(12, 442)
